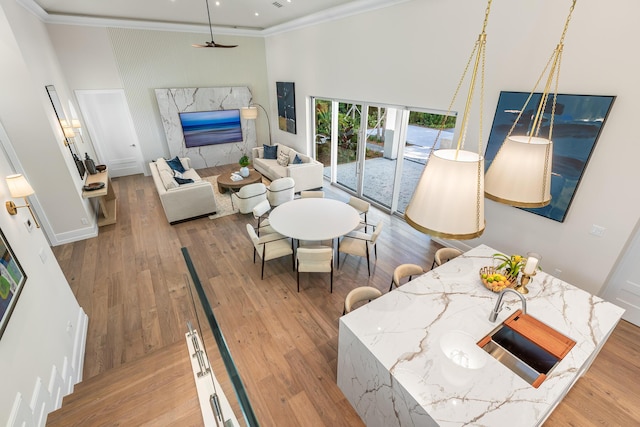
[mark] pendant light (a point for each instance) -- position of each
(448, 201)
(520, 174)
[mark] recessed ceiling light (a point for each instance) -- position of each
(256, 14)
(217, 3)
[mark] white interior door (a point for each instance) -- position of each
(623, 288)
(108, 120)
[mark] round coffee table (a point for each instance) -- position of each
(226, 183)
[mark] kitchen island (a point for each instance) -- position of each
(410, 358)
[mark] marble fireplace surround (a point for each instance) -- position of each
(176, 100)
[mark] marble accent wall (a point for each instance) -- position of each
(177, 100)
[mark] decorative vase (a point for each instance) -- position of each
(90, 164)
(244, 171)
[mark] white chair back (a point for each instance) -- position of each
(311, 194)
(249, 196)
(376, 232)
(359, 294)
(360, 205)
(261, 208)
(281, 191)
(315, 259)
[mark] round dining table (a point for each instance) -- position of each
(314, 219)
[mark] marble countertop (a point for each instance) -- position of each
(392, 350)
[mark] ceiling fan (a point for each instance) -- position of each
(212, 43)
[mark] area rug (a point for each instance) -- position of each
(223, 201)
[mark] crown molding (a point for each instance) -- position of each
(335, 13)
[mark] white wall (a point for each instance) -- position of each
(29, 119)
(140, 61)
(37, 347)
(413, 54)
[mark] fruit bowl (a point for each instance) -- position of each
(496, 280)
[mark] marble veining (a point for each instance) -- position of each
(178, 100)
(395, 370)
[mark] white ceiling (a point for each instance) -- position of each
(240, 14)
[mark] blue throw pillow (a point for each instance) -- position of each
(183, 180)
(270, 151)
(297, 160)
(176, 164)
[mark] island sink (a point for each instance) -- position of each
(527, 347)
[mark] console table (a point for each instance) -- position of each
(106, 197)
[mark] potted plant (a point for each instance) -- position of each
(244, 162)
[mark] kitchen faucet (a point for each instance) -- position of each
(498, 307)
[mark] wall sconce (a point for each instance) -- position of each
(19, 187)
(71, 129)
(68, 132)
(251, 113)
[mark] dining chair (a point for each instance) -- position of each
(261, 215)
(359, 243)
(362, 207)
(249, 196)
(270, 246)
(281, 190)
(312, 193)
(402, 271)
(314, 259)
(359, 294)
(443, 255)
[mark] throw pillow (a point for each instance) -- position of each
(283, 159)
(175, 164)
(270, 151)
(183, 180)
(167, 180)
(177, 174)
(162, 165)
(297, 160)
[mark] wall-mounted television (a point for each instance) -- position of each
(210, 127)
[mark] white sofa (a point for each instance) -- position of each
(186, 201)
(307, 175)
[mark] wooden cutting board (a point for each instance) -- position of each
(546, 337)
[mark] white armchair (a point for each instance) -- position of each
(280, 191)
(249, 196)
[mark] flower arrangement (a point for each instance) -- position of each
(244, 161)
(511, 264)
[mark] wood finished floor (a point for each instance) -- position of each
(132, 282)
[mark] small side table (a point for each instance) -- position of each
(226, 183)
(106, 197)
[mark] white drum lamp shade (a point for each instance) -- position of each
(448, 201)
(18, 186)
(249, 113)
(520, 174)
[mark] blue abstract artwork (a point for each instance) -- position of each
(577, 124)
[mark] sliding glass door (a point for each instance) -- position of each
(348, 161)
(380, 154)
(374, 151)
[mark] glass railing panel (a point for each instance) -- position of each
(217, 351)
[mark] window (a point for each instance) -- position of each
(360, 145)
